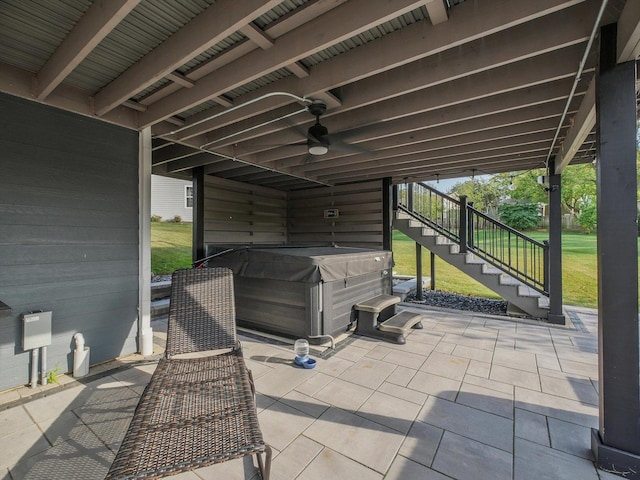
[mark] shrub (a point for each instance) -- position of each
(521, 216)
(156, 218)
(587, 218)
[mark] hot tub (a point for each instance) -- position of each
(304, 292)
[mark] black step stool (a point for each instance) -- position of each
(377, 318)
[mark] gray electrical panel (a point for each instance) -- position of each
(36, 331)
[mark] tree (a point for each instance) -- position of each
(521, 216)
(486, 195)
(579, 187)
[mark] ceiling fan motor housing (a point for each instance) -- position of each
(318, 140)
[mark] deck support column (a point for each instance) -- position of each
(616, 445)
(388, 206)
(556, 314)
(145, 333)
(419, 295)
(198, 248)
(433, 271)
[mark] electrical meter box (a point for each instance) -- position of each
(36, 331)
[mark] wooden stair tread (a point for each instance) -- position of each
(377, 304)
(400, 322)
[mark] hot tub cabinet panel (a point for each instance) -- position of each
(304, 292)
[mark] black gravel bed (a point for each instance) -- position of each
(456, 301)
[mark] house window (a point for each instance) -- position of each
(188, 196)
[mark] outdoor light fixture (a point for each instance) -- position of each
(317, 141)
(318, 149)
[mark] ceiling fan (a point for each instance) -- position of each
(317, 139)
(318, 135)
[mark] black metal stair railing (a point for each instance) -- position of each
(511, 251)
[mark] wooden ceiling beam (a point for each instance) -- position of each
(97, 22)
(217, 22)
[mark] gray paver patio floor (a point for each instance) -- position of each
(468, 397)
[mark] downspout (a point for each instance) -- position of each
(576, 80)
(145, 333)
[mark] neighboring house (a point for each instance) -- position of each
(171, 197)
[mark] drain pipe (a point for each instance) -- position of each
(576, 80)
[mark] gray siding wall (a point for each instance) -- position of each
(68, 233)
(168, 198)
(239, 213)
(359, 223)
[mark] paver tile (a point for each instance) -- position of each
(484, 427)
(575, 389)
(479, 369)
(295, 458)
(85, 455)
(401, 376)
(329, 464)
(435, 385)
(20, 446)
(405, 469)
(478, 462)
(489, 384)
(281, 424)
(534, 462)
(557, 407)
(492, 401)
(515, 377)
(362, 440)
(13, 420)
(306, 404)
(448, 366)
(368, 372)
(473, 353)
(515, 359)
(532, 427)
(421, 443)
(390, 411)
(403, 393)
(344, 394)
(570, 438)
(281, 380)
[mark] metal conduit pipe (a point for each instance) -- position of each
(263, 124)
(263, 167)
(229, 110)
(592, 37)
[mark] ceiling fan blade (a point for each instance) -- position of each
(338, 145)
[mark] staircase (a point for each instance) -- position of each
(499, 257)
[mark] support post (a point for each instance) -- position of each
(463, 224)
(419, 295)
(616, 445)
(410, 196)
(554, 267)
(198, 249)
(433, 271)
(387, 214)
(145, 333)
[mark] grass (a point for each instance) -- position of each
(171, 249)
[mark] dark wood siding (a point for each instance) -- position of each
(240, 213)
(68, 233)
(359, 223)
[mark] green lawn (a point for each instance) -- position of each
(171, 249)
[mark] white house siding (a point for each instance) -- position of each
(168, 198)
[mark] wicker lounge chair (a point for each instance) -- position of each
(199, 410)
